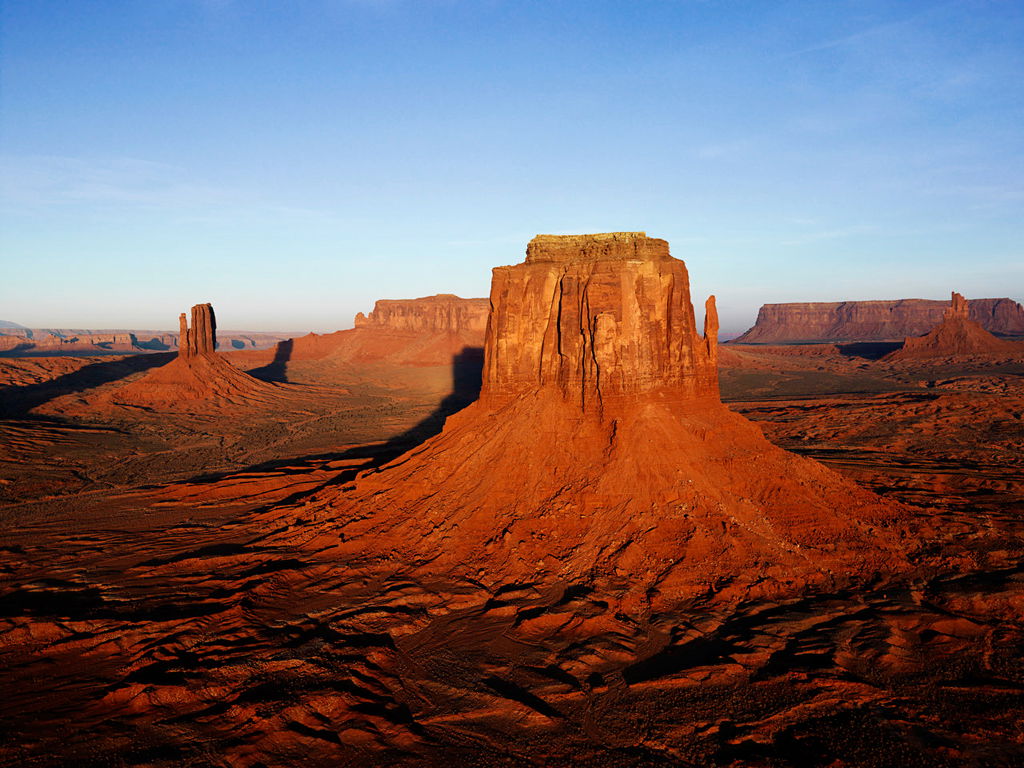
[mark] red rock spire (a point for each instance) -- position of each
(958, 308)
(201, 338)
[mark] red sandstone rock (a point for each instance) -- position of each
(429, 331)
(196, 375)
(599, 449)
(201, 338)
(433, 314)
(873, 320)
(955, 336)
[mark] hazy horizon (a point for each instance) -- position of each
(294, 164)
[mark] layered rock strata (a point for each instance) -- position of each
(599, 449)
(201, 338)
(431, 314)
(956, 336)
(873, 320)
(429, 331)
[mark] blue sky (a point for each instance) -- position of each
(294, 161)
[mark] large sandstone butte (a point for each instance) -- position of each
(599, 449)
(873, 320)
(197, 375)
(956, 336)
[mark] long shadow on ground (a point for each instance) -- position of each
(18, 401)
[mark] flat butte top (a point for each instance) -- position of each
(604, 246)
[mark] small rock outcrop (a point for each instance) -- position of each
(956, 336)
(814, 322)
(599, 449)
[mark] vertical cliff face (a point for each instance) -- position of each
(444, 313)
(600, 450)
(201, 338)
(873, 320)
(957, 335)
(596, 317)
(958, 309)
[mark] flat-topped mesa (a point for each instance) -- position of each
(201, 338)
(874, 320)
(444, 313)
(603, 246)
(597, 316)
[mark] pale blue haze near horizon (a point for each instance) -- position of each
(293, 162)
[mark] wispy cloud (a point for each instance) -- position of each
(40, 183)
(865, 34)
(821, 235)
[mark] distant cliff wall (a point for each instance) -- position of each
(874, 320)
(434, 314)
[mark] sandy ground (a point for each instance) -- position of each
(149, 614)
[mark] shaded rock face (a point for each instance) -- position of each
(599, 450)
(433, 314)
(201, 338)
(873, 320)
(956, 336)
(615, 320)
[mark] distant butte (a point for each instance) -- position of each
(956, 336)
(599, 449)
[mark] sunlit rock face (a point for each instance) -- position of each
(873, 320)
(957, 336)
(597, 317)
(600, 450)
(444, 313)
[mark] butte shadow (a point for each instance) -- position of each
(600, 451)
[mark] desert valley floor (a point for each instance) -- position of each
(149, 617)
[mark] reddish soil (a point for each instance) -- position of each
(179, 586)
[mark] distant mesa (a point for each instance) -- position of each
(9, 324)
(955, 336)
(873, 320)
(46, 342)
(599, 449)
(428, 331)
(444, 313)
